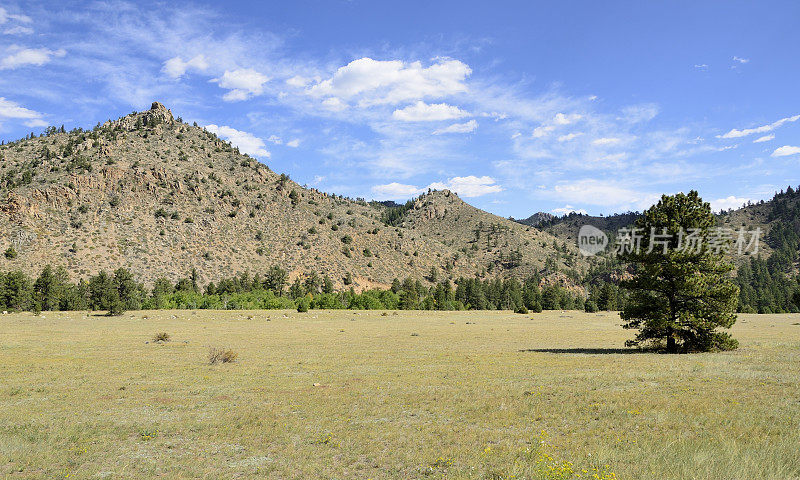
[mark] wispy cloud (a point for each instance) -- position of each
(13, 110)
(16, 56)
(466, 127)
(734, 133)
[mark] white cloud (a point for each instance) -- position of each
(396, 190)
(640, 113)
(242, 83)
(246, 142)
(5, 17)
(740, 59)
(469, 186)
(603, 193)
(701, 66)
(606, 141)
(542, 131)
(423, 112)
(175, 67)
(334, 104)
(466, 127)
(762, 129)
(298, 81)
(18, 30)
(19, 56)
(564, 119)
(785, 151)
(376, 82)
(566, 209)
(293, 143)
(728, 203)
(31, 118)
(569, 136)
(765, 138)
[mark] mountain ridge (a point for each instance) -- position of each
(161, 197)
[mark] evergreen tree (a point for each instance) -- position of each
(679, 295)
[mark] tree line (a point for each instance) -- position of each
(119, 291)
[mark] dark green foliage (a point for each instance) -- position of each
(679, 297)
(590, 306)
(394, 215)
(10, 253)
(770, 285)
(302, 305)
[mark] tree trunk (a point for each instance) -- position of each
(672, 347)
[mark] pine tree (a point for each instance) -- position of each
(679, 295)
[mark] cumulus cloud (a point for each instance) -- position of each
(396, 190)
(176, 68)
(424, 112)
(469, 186)
(728, 203)
(565, 119)
(13, 110)
(17, 56)
(293, 143)
(734, 133)
(466, 127)
(243, 83)
(740, 59)
(377, 82)
(785, 151)
(765, 138)
(246, 142)
(566, 209)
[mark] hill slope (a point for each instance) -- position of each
(160, 197)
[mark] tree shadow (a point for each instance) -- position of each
(589, 351)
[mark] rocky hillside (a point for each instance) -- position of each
(160, 197)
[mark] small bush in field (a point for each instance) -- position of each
(161, 337)
(221, 355)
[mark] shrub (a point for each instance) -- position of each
(521, 309)
(161, 337)
(347, 239)
(590, 306)
(302, 305)
(221, 355)
(10, 252)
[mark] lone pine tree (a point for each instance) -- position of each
(679, 296)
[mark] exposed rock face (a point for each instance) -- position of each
(161, 197)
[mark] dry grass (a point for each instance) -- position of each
(161, 337)
(221, 355)
(355, 395)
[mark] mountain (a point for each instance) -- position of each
(536, 219)
(158, 196)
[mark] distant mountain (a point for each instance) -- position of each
(537, 218)
(160, 197)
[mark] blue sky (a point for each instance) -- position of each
(518, 106)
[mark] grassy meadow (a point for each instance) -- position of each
(377, 395)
